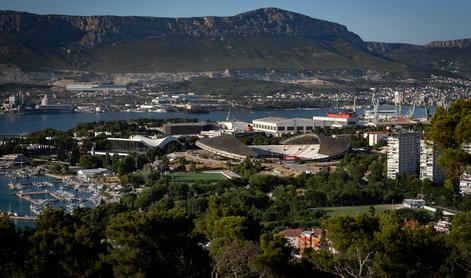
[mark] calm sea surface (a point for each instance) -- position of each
(19, 124)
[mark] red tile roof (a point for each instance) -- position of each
(292, 232)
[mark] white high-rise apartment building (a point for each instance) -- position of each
(465, 180)
(403, 154)
(429, 162)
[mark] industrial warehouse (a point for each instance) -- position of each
(305, 147)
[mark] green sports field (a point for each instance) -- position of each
(353, 210)
(195, 177)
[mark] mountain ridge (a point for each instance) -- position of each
(260, 40)
(102, 29)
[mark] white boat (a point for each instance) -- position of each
(35, 209)
(70, 207)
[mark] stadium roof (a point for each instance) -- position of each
(328, 146)
(313, 147)
(149, 142)
(226, 145)
(303, 152)
(332, 146)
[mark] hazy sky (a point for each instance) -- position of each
(412, 21)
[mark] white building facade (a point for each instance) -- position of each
(374, 137)
(403, 154)
(233, 126)
(278, 126)
(429, 162)
(465, 180)
(334, 122)
(413, 203)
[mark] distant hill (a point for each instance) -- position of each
(261, 40)
(450, 56)
(264, 38)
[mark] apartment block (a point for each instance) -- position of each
(403, 154)
(429, 168)
(465, 180)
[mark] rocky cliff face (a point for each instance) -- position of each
(464, 43)
(91, 31)
(255, 42)
(383, 47)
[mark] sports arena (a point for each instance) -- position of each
(304, 147)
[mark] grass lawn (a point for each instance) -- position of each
(353, 210)
(183, 177)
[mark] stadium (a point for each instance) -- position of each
(305, 147)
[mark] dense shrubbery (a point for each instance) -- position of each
(237, 220)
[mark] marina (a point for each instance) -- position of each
(23, 196)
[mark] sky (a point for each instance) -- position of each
(408, 21)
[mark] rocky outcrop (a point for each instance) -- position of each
(384, 47)
(90, 31)
(463, 43)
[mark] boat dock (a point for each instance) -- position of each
(14, 216)
(56, 195)
(24, 218)
(27, 196)
(60, 197)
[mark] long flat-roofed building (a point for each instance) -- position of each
(383, 114)
(95, 87)
(279, 125)
(187, 128)
(403, 154)
(334, 120)
(87, 174)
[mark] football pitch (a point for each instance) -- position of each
(353, 210)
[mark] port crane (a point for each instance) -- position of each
(444, 103)
(375, 106)
(411, 113)
(398, 101)
(229, 116)
(354, 104)
(426, 108)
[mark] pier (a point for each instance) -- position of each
(60, 197)
(18, 217)
(27, 196)
(23, 218)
